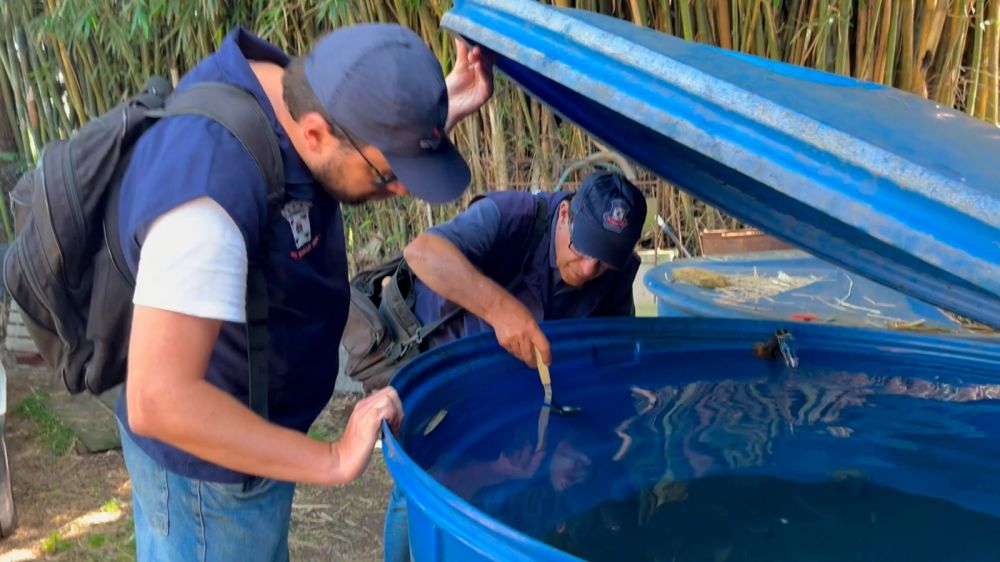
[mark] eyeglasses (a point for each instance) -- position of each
(580, 254)
(381, 179)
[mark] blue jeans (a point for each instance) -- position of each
(187, 520)
(396, 536)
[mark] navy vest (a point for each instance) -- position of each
(186, 157)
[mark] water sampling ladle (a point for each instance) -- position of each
(543, 374)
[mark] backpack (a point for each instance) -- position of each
(66, 267)
(382, 333)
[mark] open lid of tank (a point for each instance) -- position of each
(896, 188)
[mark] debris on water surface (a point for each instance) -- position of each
(781, 345)
(435, 421)
(741, 288)
(839, 431)
(700, 278)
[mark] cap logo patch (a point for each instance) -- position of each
(615, 217)
(433, 142)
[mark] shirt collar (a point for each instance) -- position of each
(233, 59)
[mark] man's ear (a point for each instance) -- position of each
(564, 210)
(315, 131)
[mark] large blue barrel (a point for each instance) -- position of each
(462, 395)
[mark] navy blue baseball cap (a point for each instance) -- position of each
(383, 85)
(608, 216)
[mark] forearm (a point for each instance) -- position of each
(169, 399)
(446, 271)
(197, 417)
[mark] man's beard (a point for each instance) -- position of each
(330, 178)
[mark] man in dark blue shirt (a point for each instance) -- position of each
(364, 116)
(489, 261)
(582, 266)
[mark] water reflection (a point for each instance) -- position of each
(827, 452)
(732, 424)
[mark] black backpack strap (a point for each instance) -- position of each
(239, 112)
(541, 222)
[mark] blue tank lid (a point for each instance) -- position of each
(896, 188)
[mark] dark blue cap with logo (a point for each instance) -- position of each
(383, 85)
(608, 216)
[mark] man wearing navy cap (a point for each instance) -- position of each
(582, 266)
(364, 116)
(487, 261)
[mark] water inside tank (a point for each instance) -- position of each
(718, 455)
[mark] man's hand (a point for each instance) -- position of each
(354, 450)
(518, 332)
(470, 83)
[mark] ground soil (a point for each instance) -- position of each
(77, 507)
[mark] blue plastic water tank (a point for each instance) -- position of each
(480, 386)
(789, 285)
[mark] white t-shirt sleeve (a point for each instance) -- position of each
(194, 261)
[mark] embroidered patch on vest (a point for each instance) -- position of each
(296, 212)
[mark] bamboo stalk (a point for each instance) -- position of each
(72, 86)
(639, 15)
(868, 72)
(949, 69)
(31, 136)
(758, 35)
(931, 28)
(722, 16)
(748, 38)
(842, 60)
(10, 110)
(773, 46)
(705, 32)
(823, 35)
(977, 56)
(890, 53)
(793, 33)
(40, 96)
(993, 78)
(906, 63)
(807, 45)
(686, 20)
(499, 147)
(860, 48)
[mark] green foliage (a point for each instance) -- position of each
(54, 544)
(111, 506)
(49, 430)
(78, 58)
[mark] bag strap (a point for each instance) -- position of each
(537, 233)
(240, 113)
(541, 223)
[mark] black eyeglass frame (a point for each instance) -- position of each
(381, 178)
